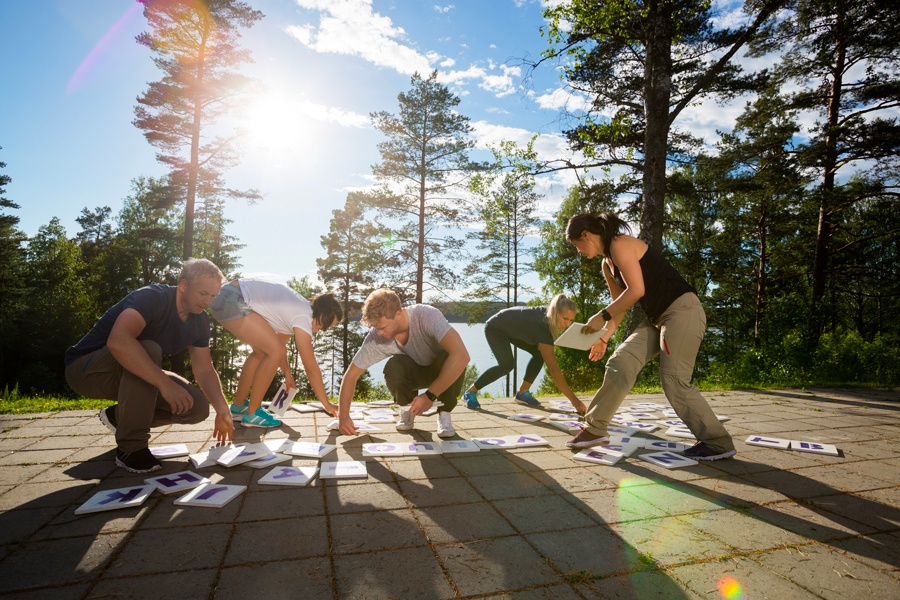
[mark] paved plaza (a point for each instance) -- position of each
(523, 523)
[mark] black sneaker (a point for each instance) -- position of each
(139, 461)
(108, 417)
(701, 451)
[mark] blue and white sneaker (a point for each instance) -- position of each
(238, 411)
(261, 418)
(527, 399)
(471, 400)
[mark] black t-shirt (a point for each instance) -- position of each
(527, 324)
(662, 284)
(156, 304)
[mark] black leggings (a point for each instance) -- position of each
(501, 345)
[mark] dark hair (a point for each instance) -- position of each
(325, 308)
(606, 225)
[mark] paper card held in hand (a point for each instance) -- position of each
(282, 401)
(573, 338)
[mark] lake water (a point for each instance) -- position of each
(481, 356)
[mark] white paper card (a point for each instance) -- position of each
(666, 445)
(309, 449)
(384, 449)
(815, 448)
(176, 482)
(526, 417)
(573, 338)
(289, 476)
(488, 442)
(212, 495)
(682, 432)
(170, 451)
(242, 454)
(760, 440)
(279, 445)
(638, 426)
(268, 460)
(282, 400)
(597, 456)
(309, 408)
(669, 460)
(118, 498)
(380, 418)
(570, 426)
(619, 449)
(209, 457)
(423, 449)
(343, 469)
(525, 440)
(458, 446)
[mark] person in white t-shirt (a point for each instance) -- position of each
(264, 315)
(424, 353)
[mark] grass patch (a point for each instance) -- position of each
(581, 577)
(12, 403)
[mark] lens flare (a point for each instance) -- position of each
(730, 589)
(101, 46)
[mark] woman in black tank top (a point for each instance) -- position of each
(673, 331)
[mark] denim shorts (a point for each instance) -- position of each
(229, 304)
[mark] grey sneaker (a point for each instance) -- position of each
(140, 461)
(108, 417)
(407, 419)
(701, 451)
(445, 425)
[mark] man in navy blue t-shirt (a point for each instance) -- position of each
(120, 357)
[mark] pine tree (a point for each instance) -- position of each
(195, 45)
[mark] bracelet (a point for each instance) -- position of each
(605, 314)
(431, 395)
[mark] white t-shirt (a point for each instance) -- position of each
(427, 327)
(279, 305)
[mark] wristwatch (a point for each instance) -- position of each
(431, 395)
(605, 314)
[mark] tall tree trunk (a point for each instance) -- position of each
(829, 167)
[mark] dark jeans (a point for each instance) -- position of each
(501, 345)
(404, 378)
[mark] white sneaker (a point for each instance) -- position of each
(445, 425)
(406, 419)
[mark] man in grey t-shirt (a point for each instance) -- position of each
(423, 352)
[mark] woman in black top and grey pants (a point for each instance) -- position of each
(673, 329)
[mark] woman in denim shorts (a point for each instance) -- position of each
(265, 315)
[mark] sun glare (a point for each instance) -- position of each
(275, 127)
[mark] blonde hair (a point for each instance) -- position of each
(380, 304)
(559, 303)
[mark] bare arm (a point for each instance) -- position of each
(313, 373)
(454, 366)
(128, 351)
(558, 378)
(348, 386)
(625, 251)
(208, 380)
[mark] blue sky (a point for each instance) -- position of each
(72, 71)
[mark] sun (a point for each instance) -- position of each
(274, 126)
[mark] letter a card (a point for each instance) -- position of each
(297, 476)
(118, 498)
(211, 495)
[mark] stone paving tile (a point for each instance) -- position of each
(828, 573)
(593, 551)
(312, 576)
(172, 549)
(439, 492)
(278, 540)
(669, 541)
(57, 562)
(519, 523)
(488, 566)
(462, 523)
(176, 586)
(738, 577)
(637, 586)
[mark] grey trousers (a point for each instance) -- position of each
(140, 407)
(676, 339)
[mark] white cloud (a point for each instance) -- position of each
(444, 9)
(350, 27)
(563, 99)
